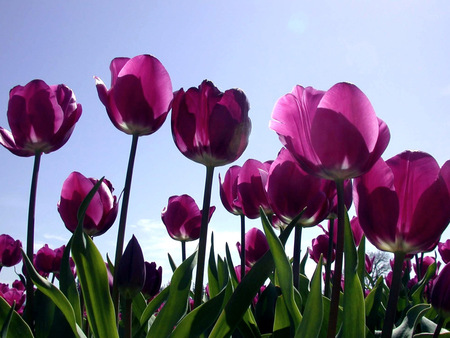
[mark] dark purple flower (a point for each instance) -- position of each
(48, 260)
(440, 294)
(10, 253)
(182, 218)
(140, 95)
(153, 278)
(319, 246)
(41, 118)
(102, 210)
(131, 270)
(444, 251)
(211, 127)
(229, 190)
(14, 294)
(255, 246)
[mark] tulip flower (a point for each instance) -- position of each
(251, 188)
(424, 264)
(10, 253)
(131, 270)
(211, 127)
(290, 190)
(102, 210)
(319, 246)
(444, 251)
(153, 278)
(41, 118)
(333, 134)
(403, 204)
(14, 294)
(229, 192)
(440, 294)
(140, 95)
(256, 246)
(48, 260)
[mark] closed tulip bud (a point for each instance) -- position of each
(211, 127)
(102, 210)
(319, 246)
(140, 95)
(444, 251)
(440, 294)
(256, 246)
(10, 253)
(131, 270)
(153, 278)
(41, 118)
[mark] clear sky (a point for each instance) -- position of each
(396, 52)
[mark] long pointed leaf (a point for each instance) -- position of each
(17, 326)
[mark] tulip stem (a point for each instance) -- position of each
(336, 289)
(203, 237)
(242, 246)
(30, 238)
(439, 326)
(183, 251)
(391, 310)
(329, 257)
(297, 251)
(128, 318)
(123, 220)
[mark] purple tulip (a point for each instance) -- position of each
(251, 187)
(48, 260)
(368, 263)
(131, 270)
(333, 134)
(182, 218)
(153, 278)
(319, 246)
(425, 264)
(41, 118)
(255, 246)
(211, 127)
(403, 204)
(444, 251)
(348, 199)
(102, 210)
(10, 253)
(290, 190)
(14, 294)
(229, 191)
(140, 95)
(440, 294)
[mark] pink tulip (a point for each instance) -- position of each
(140, 95)
(333, 134)
(14, 294)
(10, 253)
(444, 251)
(182, 218)
(41, 118)
(290, 190)
(229, 191)
(251, 187)
(403, 204)
(440, 294)
(211, 127)
(255, 246)
(102, 210)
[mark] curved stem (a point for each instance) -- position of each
(123, 220)
(242, 246)
(391, 310)
(203, 237)
(30, 238)
(335, 292)
(329, 257)
(297, 251)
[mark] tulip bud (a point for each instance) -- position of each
(131, 270)
(153, 278)
(440, 294)
(10, 253)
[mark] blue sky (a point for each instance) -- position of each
(396, 52)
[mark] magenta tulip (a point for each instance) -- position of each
(440, 294)
(211, 127)
(182, 218)
(48, 260)
(102, 210)
(319, 246)
(251, 187)
(10, 253)
(444, 251)
(14, 294)
(229, 191)
(41, 118)
(255, 246)
(140, 95)
(290, 190)
(403, 204)
(334, 134)
(424, 265)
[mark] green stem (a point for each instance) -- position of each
(439, 326)
(297, 251)
(329, 257)
(123, 220)
(203, 237)
(183, 251)
(335, 292)
(30, 239)
(391, 310)
(128, 318)
(242, 246)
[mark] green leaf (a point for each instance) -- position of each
(361, 269)
(213, 276)
(417, 295)
(414, 314)
(283, 270)
(154, 305)
(198, 321)
(373, 303)
(177, 301)
(354, 322)
(11, 323)
(173, 266)
(265, 308)
(313, 315)
(281, 323)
